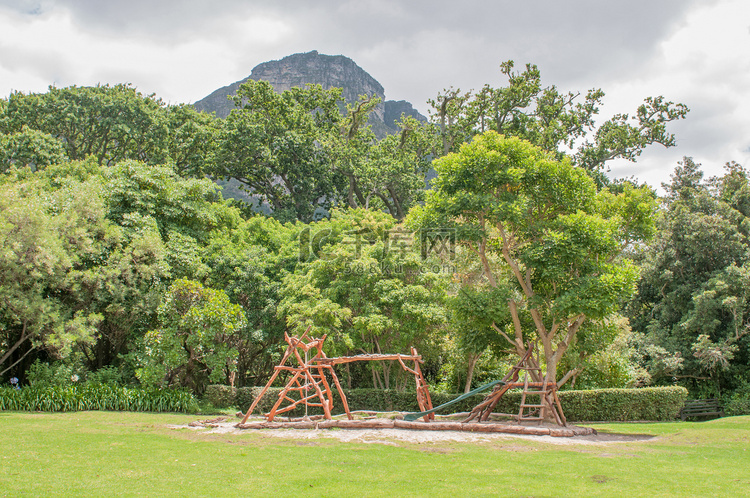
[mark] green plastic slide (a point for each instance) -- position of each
(415, 416)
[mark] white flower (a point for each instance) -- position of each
(74, 378)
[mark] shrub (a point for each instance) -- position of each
(245, 396)
(655, 403)
(604, 405)
(42, 374)
(736, 407)
(92, 396)
(220, 396)
(106, 375)
(739, 402)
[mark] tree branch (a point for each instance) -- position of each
(572, 373)
(500, 331)
(24, 338)
(17, 361)
(513, 306)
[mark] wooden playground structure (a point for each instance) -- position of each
(545, 391)
(309, 386)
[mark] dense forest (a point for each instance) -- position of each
(490, 225)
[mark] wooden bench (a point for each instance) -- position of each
(701, 408)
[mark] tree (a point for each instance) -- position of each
(110, 123)
(81, 240)
(193, 343)
(553, 120)
(30, 148)
(548, 245)
(692, 304)
(163, 222)
(274, 145)
(192, 140)
(249, 262)
(387, 174)
(393, 174)
(350, 149)
(46, 234)
(366, 289)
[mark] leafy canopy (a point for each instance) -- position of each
(692, 305)
(545, 241)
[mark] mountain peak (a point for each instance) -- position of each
(329, 71)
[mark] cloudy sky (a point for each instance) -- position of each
(689, 51)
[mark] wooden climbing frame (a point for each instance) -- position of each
(546, 391)
(311, 372)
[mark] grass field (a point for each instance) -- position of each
(131, 454)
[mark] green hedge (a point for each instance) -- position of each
(220, 396)
(649, 403)
(95, 397)
(737, 405)
(658, 403)
(652, 403)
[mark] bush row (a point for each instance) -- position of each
(737, 405)
(95, 397)
(221, 396)
(653, 403)
(650, 403)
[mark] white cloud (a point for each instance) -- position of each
(52, 48)
(706, 65)
(689, 51)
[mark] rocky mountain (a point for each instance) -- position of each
(326, 70)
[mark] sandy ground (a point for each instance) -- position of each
(393, 436)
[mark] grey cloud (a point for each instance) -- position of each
(431, 45)
(414, 48)
(575, 42)
(162, 20)
(49, 65)
(595, 29)
(572, 38)
(26, 7)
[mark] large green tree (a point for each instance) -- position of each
(81, 240)
(387, 174)
(395, 171)
(300, 154)
(109, 123)
(248, 262)
(367, 289)
(30, 148)
(274, 145)
(692, 304)
(553, 120)
(546, 242)
(193, 343)
(46, 236)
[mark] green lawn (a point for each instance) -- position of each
(134, 454)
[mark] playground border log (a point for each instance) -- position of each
(481, 427)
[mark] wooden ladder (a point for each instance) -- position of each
(547, 393)
(530, 411)
(482, 411)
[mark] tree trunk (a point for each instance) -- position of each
(549, 377)
(399, 209)
(23, 338)
(376, 383)
(473, 360)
